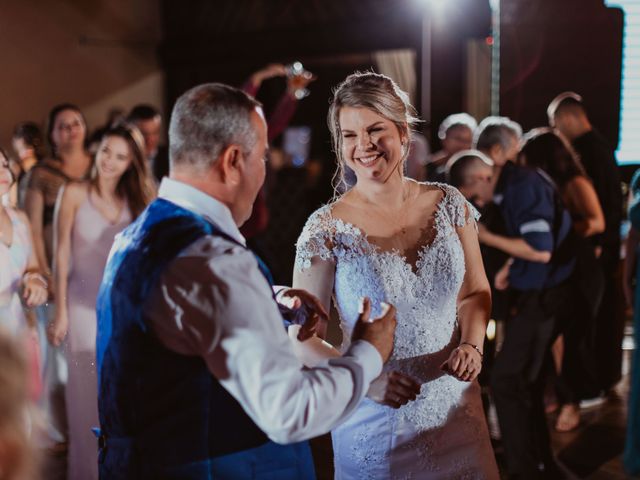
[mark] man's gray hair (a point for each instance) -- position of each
(207, 119)
(456, 120)
(496, 131)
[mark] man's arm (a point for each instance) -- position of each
(530, 212)
(214, 302)
(514, 247)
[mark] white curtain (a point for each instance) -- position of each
(401, 66)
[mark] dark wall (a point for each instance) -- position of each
(226, 40)
(550, 46)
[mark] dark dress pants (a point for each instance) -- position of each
(517, 380)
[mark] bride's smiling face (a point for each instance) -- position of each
(371, 144)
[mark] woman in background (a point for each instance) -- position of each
(90, 215)
(21, 281)
(573, 352)
(68, 161)
(28, 144)
(20, 272)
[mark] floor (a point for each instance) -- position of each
(592, 452)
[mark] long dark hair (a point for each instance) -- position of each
(31, 135)
(135, 185)
(51, 121)
(547, 151)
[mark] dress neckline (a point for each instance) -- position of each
(13, 217)
(111, 223)
(374, 248)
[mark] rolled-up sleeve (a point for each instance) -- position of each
(213, 301)
(533, 214)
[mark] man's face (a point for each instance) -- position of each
(478, 188)
(502, 155)
(254, 170)
(458, 138)
(565, 123)
(150, 130)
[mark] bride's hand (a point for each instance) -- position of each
(393, 389)
(464, 363)
(296, 298)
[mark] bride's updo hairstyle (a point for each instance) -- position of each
(379, 94)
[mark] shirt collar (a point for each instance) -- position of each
(201, 204)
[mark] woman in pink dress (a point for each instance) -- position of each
(90, 215)
(21, 281)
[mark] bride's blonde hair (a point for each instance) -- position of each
(379, 94)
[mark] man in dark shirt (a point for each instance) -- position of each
(536, 231)
(568, 115)
(149, 121)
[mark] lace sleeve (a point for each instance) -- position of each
(461, 212)
(315, 239)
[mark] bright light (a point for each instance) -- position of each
(491, 330)
(629, 145)
(436, 6)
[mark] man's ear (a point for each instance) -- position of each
(495, 151)
(230, 164)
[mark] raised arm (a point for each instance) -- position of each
(236, 328)
(69, 198)
(315, 265)
(318, 280)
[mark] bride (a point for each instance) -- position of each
(413, 245)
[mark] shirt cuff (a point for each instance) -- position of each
(368, 357)
(278, 289)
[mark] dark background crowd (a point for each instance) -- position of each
(482, 75)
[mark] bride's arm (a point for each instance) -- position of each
(318, 280)
(474, 309)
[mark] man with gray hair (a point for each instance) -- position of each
(455, 134)
(197, 377)
(536, 238)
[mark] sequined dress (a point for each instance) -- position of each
(443, 434)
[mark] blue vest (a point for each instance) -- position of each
(164, 415)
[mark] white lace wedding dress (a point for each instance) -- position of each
(443, 434)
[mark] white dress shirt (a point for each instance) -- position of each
(214, 302)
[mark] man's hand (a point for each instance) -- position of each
(299, 298)
(380, 331)
(501, 280)
(393, 389)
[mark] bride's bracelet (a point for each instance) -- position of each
(475, 347)
(35, 276)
